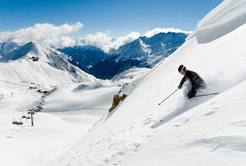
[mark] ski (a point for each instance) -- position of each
(207, 94)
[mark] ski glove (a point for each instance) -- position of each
(180, 86)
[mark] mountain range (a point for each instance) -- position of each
(142, 52)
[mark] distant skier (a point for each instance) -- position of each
(196, 81)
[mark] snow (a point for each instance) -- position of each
(71, 107)
(76, 129)
(131, 74)
(92, 100)
(49, 68)
(204, 131)
(145, 47)
(205, 135)
(73, 104)
(221, 21)
(70, 111)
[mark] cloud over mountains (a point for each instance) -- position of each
(47, 34)
(59, 36)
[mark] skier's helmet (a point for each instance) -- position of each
(181, 68)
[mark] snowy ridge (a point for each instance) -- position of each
(221, 21)
(152, 49)
(203, 131)
(39, 64)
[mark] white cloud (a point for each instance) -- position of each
(46, 34)
(101, 40)
(58, 36)
(105, 42)
(4, 36)
(66, 41)
(165, 30)
(126, 39)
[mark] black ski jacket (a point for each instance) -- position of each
(194, 78)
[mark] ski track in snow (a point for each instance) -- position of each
(174, 109)
(112, 149)
(230, 142)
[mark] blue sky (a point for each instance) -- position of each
(120, 17)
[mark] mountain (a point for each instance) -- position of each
(201, 131)
(84, 57)
(151, 50)
(109, 68)
(142, 52)
(12, 51)
(37, 63)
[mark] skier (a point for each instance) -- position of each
(196, 81)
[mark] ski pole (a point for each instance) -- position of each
(167, 97)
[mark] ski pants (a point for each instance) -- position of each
(194, 90)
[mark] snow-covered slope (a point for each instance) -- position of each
(228, 16)
(131, 74)
(203, 131)
(67, 102)
(69, 111)
(35, 63)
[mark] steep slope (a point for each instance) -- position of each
(221, 21)
(35, 63)
(202, 131)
